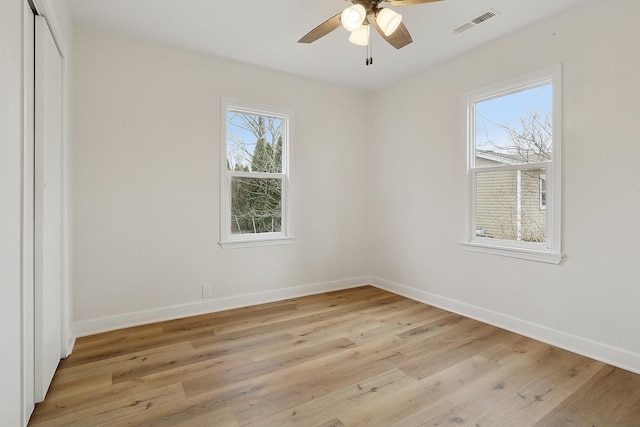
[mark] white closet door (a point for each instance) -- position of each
(48, 207)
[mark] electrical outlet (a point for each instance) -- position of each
(207, 290)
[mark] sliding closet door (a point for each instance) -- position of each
(48, 207)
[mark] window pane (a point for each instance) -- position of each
(254, 142)
(256, 205)
(508, 205)
(515, 128)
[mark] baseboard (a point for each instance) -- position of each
(110, 323)
(592, 349)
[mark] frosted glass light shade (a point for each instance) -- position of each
(360, 36)
(353, 17)
(388, 20)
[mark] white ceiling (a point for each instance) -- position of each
(265, 33)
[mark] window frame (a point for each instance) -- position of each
(229, 240)
(551, 250)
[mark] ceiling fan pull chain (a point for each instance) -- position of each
(368, 44)
(370, 51)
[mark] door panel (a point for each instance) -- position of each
(48, 207)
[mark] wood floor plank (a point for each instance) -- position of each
(56, 407)
(353, 357)
(405, 321)
(268, 402)
(128, 345)
(521, 392)
(235, 320)
(181, 374)
(265, 366)
(420, 395)
(611, 397)
(427, 363)
(437, 335)
(291, 387)
(315, 333)
(117, 361)
(117, 411)
(441, 410)
(196, 354)
(372, 391)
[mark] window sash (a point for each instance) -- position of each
(522, 166)
(283, 207)
(273, 175)
(473, 216)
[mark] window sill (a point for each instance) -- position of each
(246, 243)
(512, 252)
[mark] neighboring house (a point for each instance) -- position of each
(510, 204)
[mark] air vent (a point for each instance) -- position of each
(483, 17)
(463, 27)
(475, 21)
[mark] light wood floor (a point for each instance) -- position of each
(355, 357)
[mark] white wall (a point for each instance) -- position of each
(11, 211)
(146, 184)
(589, 303)
(146, 179)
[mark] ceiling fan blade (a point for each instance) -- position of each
(398, 39)
(408, 2)
(321, 30)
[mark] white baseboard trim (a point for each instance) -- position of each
(592, 349)
(120, 321)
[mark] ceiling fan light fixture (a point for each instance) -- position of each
(353, 17)
(360, 36)
(388, 20)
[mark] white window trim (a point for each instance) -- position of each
(551, 250)
(229, 240)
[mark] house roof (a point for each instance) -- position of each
(504, 158)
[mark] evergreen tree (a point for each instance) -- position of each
(259, 159)
(278, 155)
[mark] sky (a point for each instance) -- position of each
(507, 110)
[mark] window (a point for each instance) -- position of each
(256, 146)
(543, 191)
(512, 138)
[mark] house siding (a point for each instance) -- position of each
(497, 204)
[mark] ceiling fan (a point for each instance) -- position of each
(363, 13)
